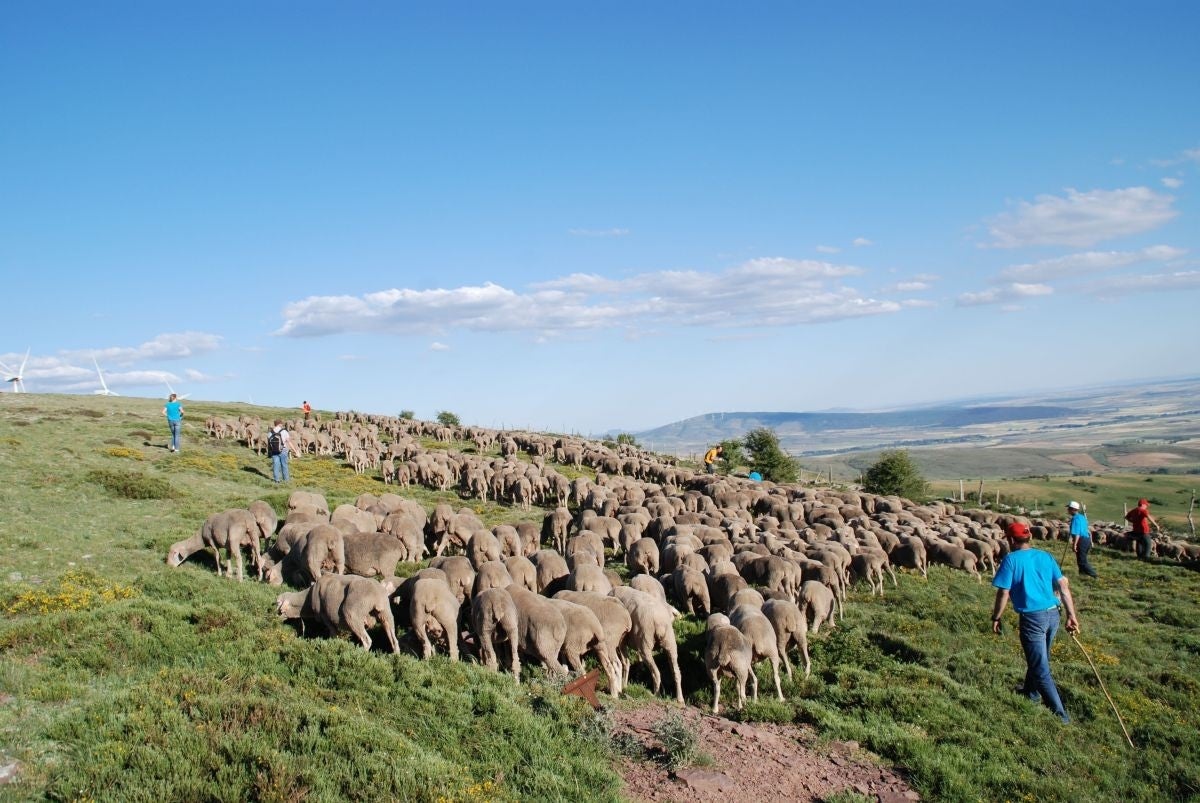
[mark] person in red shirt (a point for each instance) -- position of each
(307, 408)
(1141, 520)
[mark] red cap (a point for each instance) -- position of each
(1143, 502)
(1017, 530)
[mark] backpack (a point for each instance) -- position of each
(274, 443)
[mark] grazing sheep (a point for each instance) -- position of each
(691, 591)
(300, 500)
(749, 596)
(955, 557)
(816, 596)
(762, 639)
(482, 547)
(722, 588)
(229, 530)
(726, 651)
(343, 602)
(555, 526)
(320, 551)
(265, 516)
(587, 577)
(790, 627)
(460, 574)
(870, 563)
(408, 531)
(494, 618)
(613, 618)
(522, 571)
(648, 584)
(585, 634)
(493, 574)
(910, 554)
(642, 557)
(652, 627)
(371, 554)
(541, 628)
(552, 570)
(433, 609)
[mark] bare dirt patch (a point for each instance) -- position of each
(1081, 461)
(754, 762)
(1144, 459)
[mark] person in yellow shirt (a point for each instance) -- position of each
(710, 458)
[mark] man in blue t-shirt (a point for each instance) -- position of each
(1081, 538)
(173, 410)
(1031, 577)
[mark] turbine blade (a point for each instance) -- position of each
(22, 371)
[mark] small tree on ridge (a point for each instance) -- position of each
(767, 458)
(895, 474)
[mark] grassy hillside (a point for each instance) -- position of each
(122, 679)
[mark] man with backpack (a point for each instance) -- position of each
(279, 443)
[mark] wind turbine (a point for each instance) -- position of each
(104, 391)
(18, 384)
(171, 390)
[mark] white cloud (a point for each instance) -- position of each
(1004, 294)
(926, 277)
(859, 242)
(906, 287)
(828, 249)
(1172, 183)
(171, 346)
(1086, 263)
(1189, 155)
(1116, 287)
(436, 346)
(1081, 219)
(769, 291)
(598, 232)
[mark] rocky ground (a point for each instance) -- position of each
(752, 762)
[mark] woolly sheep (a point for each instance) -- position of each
(343, 602)
(726, 651)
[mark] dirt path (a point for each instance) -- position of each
(754, 762)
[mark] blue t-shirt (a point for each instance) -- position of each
(1029, 575)
(1079, 526)
(174, 411)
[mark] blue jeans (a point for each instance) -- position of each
(176, 428)
(1037, 631)
(1081, 557)
(279, 466)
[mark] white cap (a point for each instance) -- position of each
(1074, 505)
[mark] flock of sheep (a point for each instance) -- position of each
(764, 564)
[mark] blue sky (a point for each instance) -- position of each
(580, 217)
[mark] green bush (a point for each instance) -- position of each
(448, 419)
(131, 484)
(679, 741)
(895, 474)
(767, 458)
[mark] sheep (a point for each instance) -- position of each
(652, 627)
(434, 608)
(300, 500)
(726, 651)
(910, 554)
(350, 519)
(321, 550)
(265, 516)
(493, 574)
(955, 557)
(522, 571)
(343, 601)
(790, 626)
(541, 628)
(762, 639)
(482, 547)
(371, 554)
(824, 603)
(613, 618)
(551, 570)
(691, 591)
(642, 556)
(460, 574)
(588, 543)
(648, 584)
(748, 596)
(870, 563)
(722, 588)
(229, 530)
(587, 577)
(555, 526)
(585, 634)
(493, 612)
(407, 530)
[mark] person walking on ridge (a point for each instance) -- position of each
(173, 410)
(1081, 538)
(710, 458)
(1031, 577)
(1141, 520)
(307, 408)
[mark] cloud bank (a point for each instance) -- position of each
(770, 291)
(1081, 219)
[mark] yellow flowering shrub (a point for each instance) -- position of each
(125, 452)
(74, 591)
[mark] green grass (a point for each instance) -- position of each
(122, 679)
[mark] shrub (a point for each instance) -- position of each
(895, 474)
(448, 419)
(627, 438)
(93, 413)
(767, 458)
(732, 456)
(407, 415)
(679, 741)
(75, 591)
(131, 484)
(125, 452)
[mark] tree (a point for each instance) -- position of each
(407, 415)
(627, 438)
(448, 419)
(895, 474)
(732, 456)
(767, 458)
